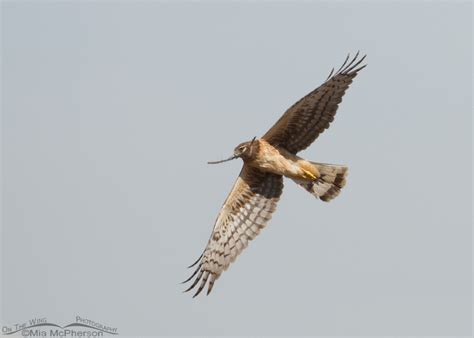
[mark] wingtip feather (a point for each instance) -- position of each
(197, 261)
(194, 274)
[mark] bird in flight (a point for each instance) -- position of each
(255, 194)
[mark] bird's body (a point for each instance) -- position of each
(254, 196)
(277, 160)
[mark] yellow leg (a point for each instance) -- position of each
(308, 175)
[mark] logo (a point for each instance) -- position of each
(41, 327)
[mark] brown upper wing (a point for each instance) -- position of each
(245, 212)
(310, 116)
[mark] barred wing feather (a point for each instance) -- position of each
(245, 212)
(302, 123)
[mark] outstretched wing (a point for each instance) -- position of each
(302, 123)
(245, 212)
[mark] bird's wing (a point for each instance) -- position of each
(245, 212)
(302, 123)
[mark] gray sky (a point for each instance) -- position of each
(111, 110)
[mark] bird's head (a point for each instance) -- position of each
(245, 150)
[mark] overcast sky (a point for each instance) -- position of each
(110, 112)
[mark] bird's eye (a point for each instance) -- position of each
(242, 149)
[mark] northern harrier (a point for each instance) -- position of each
(257, 190)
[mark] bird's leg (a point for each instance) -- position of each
(308, 174)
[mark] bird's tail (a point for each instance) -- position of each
(330, 182)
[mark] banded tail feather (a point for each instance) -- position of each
(329, 184)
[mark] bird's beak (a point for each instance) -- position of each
(233, 157)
